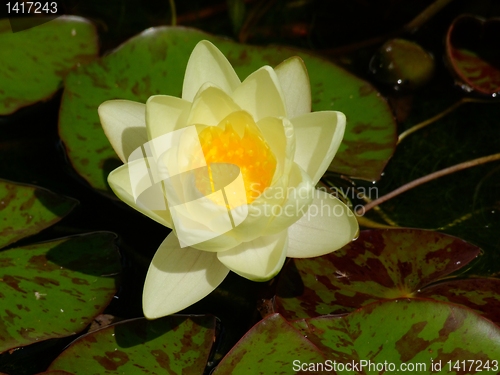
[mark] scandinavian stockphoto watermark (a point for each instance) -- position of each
(170, 173)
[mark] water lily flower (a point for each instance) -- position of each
(232, 168)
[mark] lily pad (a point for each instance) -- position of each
(54, 289)
(480, 294)
(270, 347)
(27, 210)
(474, 54)
(154, 63)
(403, 64)
(416, 334)
(171, 345)
(380, 264)
(35, 61)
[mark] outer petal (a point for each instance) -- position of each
(119, 180)
(210, 106)
(165, 114)
(124, 123)
(208, 64)
(257, 260)
(327, 226)
(177, 278)
(294, 80)
(260, 94)
(299, 194)
(318, 137)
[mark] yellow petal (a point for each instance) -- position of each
(120, 182)
(318, 136)
(177, 278)
(260, 94)
(165, 114)
(208, 64)
(257, 260)
(124, 123)
(327, 226)
(294, 81)
(210, 106)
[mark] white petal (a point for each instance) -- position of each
(177, 278)
(208, 64)
(124, 123)
(120, 182)
(299, 194)
(165, 114)
(280, 137)
(210, 106)
(294, 81)
(257, 260)
(318, 136)
(327, 226)
(260, 94)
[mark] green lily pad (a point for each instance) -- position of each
(480, 294)
(403, 64)
(396, 333)
(380, 264)
(35, 61)
(54, 289)
(269, 347)
(473, 52)
(171, 345)
(154, 63)
(27, 210)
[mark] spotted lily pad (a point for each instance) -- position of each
(171, 345)
(154, 63)
(26, 210)
(35, 61)
(480, 294)
(474, 53)
(423, 336)
(380, 264)
(54, 289)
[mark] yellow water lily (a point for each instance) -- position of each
(231, 167)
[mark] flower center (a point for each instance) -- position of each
(238, 141)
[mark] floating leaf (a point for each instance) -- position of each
(27, 210)
(480, 294)
(54, 289)
(380, 264)
(270, 347)
(398, 332)
(154, 63)
(35, 61)
(171, 345)
(474, 54)
(402, 64)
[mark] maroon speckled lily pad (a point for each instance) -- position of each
(55, 289)
(26, 210)
(473, 51)
(172, 345)
(404, 332)
(380, 264)
(480, 294)
(35, 61)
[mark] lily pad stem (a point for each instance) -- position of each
(448, 110)
(426, 15)
(173, 11)
(429, 177)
